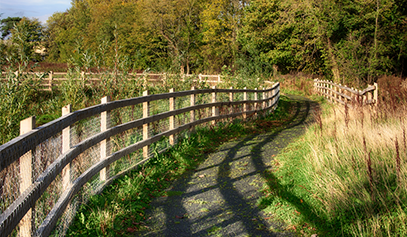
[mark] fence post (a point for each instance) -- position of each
(192, 113)
(345, 92)
(50, 80)
(215, 111)
(245, 104)
(256, 104)
(66, 145)
(273, 101)
(322, 89)
(338, 96)
(370, 95)
(327, 90)
(145, 80)
(264, 99)
(231, 95)
(172, 120)
(376, 94)
(146, 132)
(27, 222)
(104, 145)
(361, 97)
(218, 78)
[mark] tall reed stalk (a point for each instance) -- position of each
(360, 175)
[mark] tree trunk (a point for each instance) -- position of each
(334, 69)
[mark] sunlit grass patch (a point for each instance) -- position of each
(345, 177)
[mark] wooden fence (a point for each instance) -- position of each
(345, 95)
(51, 79)
(18, 216)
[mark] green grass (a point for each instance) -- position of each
(321, 183)
(287, 196)
(120, 208)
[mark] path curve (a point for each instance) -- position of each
(220, 197)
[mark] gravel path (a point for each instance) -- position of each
(220, 197)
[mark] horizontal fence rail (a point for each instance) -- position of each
(345, 95)
(50, 80)
(46, 169)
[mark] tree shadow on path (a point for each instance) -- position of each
(220, 197)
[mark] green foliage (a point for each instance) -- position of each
(7, 24)
(347, 40)
(220, 22)
(16, 93)
(26, 35)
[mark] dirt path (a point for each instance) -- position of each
(220, 197)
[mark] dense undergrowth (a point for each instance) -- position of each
(21, 95)
(347, 175)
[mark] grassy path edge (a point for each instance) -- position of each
(120, 209)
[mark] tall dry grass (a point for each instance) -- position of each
(358, 165)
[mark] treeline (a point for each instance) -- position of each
(348, 41)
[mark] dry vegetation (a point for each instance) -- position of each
(355, 179)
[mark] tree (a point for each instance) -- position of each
(271, 37)
(7, 25)
(26, 35)
(221, 21)
(177, 22)
(349, 41)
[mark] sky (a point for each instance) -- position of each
(40, 9)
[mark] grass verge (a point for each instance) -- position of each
(345, 177)
(120, 208)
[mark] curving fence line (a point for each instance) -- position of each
(180, 112)
(345, 95)
(51, 80)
